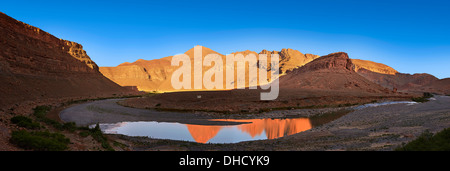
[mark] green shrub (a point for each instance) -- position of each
(41, 111)
(39, 140)
(423, 99)
(25, 122)
(429, 142)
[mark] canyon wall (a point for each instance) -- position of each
(39, 68)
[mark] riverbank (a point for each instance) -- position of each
(248, 101)
(373, 128)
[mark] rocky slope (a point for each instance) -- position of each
(328, 80)
(405, 82)
(38, 68)
(373, 66)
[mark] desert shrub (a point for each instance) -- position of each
(97, 134)
(40, 140)
(429, 142)
(424, 97)
(25, 122)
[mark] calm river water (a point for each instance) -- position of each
(251, 129)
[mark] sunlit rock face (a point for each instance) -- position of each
(155, 75)
(373, 66)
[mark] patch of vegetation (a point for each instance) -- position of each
(429, 142)
(41, 111)
(422, 99)
(40, 140)
(120, 145)
(47, 141)
(70, 126)
(115, 96)
(25, 122)
(97, 134)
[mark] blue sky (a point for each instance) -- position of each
(411, 36)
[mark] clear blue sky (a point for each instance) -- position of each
(411, 36)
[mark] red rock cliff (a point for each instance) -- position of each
(38, 68)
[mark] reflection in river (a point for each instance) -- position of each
(251, 129)
(255, 129)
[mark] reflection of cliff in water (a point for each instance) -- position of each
(272, 128)
(202, 133)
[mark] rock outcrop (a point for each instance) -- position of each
(331, 72)
(38, 68)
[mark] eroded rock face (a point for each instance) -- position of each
(38, 68)
(338, 61)
(155, 75)
(373, 66)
